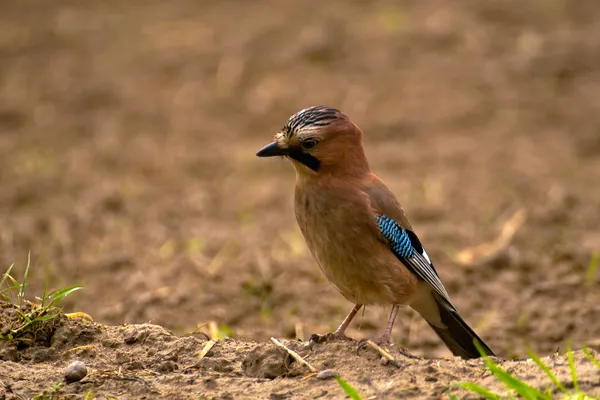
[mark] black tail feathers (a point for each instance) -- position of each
(458, 336)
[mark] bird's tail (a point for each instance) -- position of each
(456, 334)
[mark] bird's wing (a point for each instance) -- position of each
(397, 232)
(403, 244)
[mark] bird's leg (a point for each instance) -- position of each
(386, 338)
(340, 332)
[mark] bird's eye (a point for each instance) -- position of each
(309, 144)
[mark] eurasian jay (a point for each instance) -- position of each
(357, 231)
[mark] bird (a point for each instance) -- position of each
(358, 232)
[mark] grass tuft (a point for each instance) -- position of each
(29, 316)
(525, 391)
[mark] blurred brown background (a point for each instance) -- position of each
(128, 131)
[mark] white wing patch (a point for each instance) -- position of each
(426, 256)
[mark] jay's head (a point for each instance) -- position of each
(319, 140)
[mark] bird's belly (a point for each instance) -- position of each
(362, 268)
(341, 234)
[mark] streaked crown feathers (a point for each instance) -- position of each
(310, 119)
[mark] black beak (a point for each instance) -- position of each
(271, 150)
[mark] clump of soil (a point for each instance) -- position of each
(267, 363)
(147, 361)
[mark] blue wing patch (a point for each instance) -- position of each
(407, 247)
(398, 239)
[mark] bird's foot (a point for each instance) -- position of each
(328, 337)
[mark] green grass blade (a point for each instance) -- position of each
(348, 389)
(15, 285)
(6, 274)
(590, 357)
(25, 278)
(45, 295)
(480, 390)
(6, 289)
(25, 317)
(45, 317)
(573, 370)
(547, 370)
(519, 386)
(590, 274)
(57, 296)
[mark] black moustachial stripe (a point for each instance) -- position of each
(305, 158)
(313, 116)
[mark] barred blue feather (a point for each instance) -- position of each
(397, 237)
(410, 252)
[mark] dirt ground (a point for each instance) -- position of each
(148, 362)
(127, 140)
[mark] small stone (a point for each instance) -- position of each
(384, 361)
(75, 372)
(280, 396)
(326, 374)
